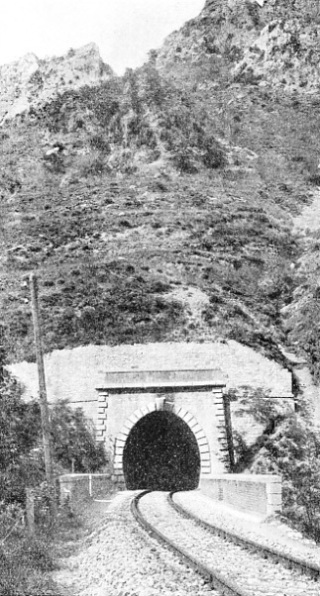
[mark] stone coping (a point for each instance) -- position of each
(265, 478)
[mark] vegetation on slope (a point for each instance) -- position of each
(109, 265)
(289, 445)
(125, 195)
(21, 456)
(25, 560)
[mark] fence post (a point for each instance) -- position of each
(90, 485)
(30, 510)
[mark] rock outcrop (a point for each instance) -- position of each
(29, 81)
(274, 42)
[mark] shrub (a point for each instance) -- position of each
(253, 11)
(100, 143)
(214, 156)
(184, 161)
(315, 179)
(94, 165)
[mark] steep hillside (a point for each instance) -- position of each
(159, 206)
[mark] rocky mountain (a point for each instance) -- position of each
(162, 205)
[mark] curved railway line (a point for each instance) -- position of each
(231, 565)
(290, 561)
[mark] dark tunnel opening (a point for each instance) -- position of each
(161, 453)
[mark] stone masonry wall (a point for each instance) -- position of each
(259, 494)
(202, 411)
(73, 374)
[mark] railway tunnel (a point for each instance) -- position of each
(161, 453)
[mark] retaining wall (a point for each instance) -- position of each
(73, 374)
(259, 494)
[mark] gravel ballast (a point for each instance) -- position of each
(120, 559)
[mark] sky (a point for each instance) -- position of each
(124, 30)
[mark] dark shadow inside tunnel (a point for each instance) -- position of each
(161, 453)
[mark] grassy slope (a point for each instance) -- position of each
(165, 183)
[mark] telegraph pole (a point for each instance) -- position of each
(45, 419)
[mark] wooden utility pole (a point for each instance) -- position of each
(45, 419)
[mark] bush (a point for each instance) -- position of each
(94, 165)
(184, 161)
(315, 179)
(100, 143)
(214, 156)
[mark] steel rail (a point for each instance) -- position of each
(289, 561)
(215, 579)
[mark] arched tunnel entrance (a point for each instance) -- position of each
(161, 453)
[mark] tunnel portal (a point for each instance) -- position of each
(161, 453)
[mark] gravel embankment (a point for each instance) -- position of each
(120, 559)
(270, 533)
(253, 574)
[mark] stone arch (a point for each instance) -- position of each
(185, 415)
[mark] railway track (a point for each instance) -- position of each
(289, 560)
(229, 567)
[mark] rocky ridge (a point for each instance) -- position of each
(30, 82)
